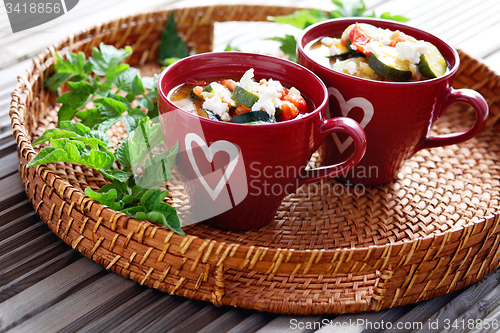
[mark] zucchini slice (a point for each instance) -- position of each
(195, 97)
(432, 64)
(244, 97)
(209, 89)
(252, 117)
(353, 52)
(387, 65)
(208, 114)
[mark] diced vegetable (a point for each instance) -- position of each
(387, 65)
(251, 117)
(209, 89)
(242, 109)
(196, 93)
(432, 64)
(297, 101)
(288, 111)
(358, 38)
(208, 114)
(244, 97)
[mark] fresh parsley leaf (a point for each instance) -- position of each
(123, 155)
(75, 68)
(56, 133)
(106, 61)
(306, 17)
(125, 80)
(302, 18)
(75, 100)
(87, 142)
(109, 198)
(152, 201)
(169, 61)
(112, 174)
(171, 45)
(66, 150)
(157, 168)
(288, 45)
(143, 140)
(399, 18)
(231, 48)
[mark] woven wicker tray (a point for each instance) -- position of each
(433, 230)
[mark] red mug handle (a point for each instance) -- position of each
(344, 125)
(474, 99)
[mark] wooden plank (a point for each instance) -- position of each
(103, 310)
(282, 324)
(177, 316)
(480, 313)
(253, 323)
(150, 307)
(46, 292)
(69, 309)
(29, 256)
(12, 185)
(227, 321)
(22, 237)
(8, 165)
(420, 313)
(129, 311)
(465, 300)
(37, 274)
(13, 227)
(196, 321)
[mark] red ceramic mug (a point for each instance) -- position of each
(236, 175)
(396, 116)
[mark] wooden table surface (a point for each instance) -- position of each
(46, 286)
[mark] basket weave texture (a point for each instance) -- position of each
(330, 249)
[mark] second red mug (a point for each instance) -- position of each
(396, 116)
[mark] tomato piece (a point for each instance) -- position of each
(242, 109)
(288, 111)
(359, 39)
(230, 84)
(283, 93)
(198, 90)
(398, 37)
(298, 101)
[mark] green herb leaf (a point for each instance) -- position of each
(123, 155)
(106, 61)
(106, 198)
(125, 79)
(112, 174)
(152, 200)
(66, 150)
(143, 140)
(56, 133)
(399, 18)
(157, 168)
(302, 18)
(288, 45)
(74, 67)
(169, 61)
(231, 48)
(75, 100)
(171, 45)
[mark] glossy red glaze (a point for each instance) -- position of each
(271, 156)
(402, 113)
